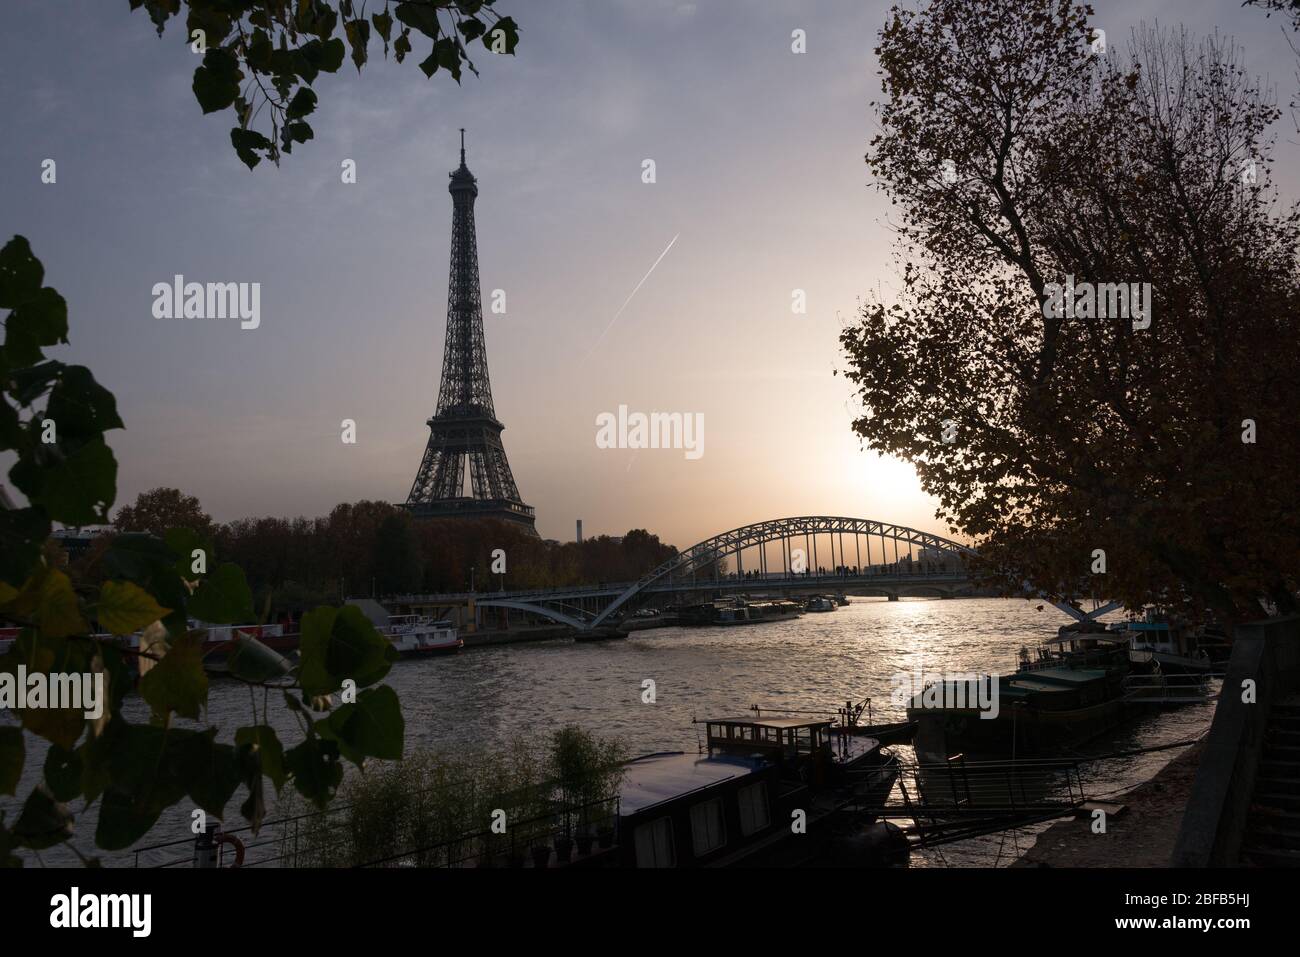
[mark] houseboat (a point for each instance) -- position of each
(739, 611)
(418, 636)
(775, 791)
(1032, 711)
(218, 642)
(1168, 644)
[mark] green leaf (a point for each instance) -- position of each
(63, 773)
(262, 744)
(31, 382)
(223, 598)
(502, 37)
(383, 26)
(302, 104)
(358, 34)
(22, 532)
(81, 406)
(178, 682)
(210, 770)
(125, 607)
(20, 273)
(340, 643)
(472, 28)
(123, 820)
(183, 543)
(260, 52)
(43, 822)
(79, 490)
(42, 320)
(371, 727)
(59, 657)
(421, 18)
(448, 53)
(331, 57)
(61, 726)
(215, 24)
(245, 142)
(316, 770)
(151, 769)
(402, 46)
(12, 755)
(57, 612)
(216, 82)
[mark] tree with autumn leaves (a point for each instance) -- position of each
(1021, 150)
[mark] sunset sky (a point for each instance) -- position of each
(760, 176)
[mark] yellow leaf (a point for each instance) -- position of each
(125, 607)
(153, 645)
(24, 603)
(57, 612)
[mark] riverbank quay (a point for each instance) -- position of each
(1244, 809)
(1142, 835)
(513, 636)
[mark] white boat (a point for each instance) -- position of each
(415, 635)
(820, 603)
(734, 615)
(1170, 644)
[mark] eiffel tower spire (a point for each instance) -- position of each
(465, 427)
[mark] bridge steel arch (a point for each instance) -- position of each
(535, 609)
(707, 553)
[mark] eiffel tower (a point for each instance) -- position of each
(465, 426)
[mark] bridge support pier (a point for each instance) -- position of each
(893, 596)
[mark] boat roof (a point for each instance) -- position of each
(1029, 684)
(1057, 676)
(656, 778)
(1108, 636)
(782, 723)
(1023, 683)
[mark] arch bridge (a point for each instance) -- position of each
(805, 553)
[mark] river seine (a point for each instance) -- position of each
(482, 696)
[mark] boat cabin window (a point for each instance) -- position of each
(707, 830)
(654, 844)
(789, 740)
(753, 809)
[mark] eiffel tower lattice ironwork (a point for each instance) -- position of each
(465, 427)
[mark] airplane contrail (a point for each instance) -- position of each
(630, 295)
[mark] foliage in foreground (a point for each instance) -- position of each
(266, 54)
(436, 809)
(53, 418)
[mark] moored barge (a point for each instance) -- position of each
(768, 792)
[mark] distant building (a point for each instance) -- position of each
(939, 557)
(579, 539)
(75, 541)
